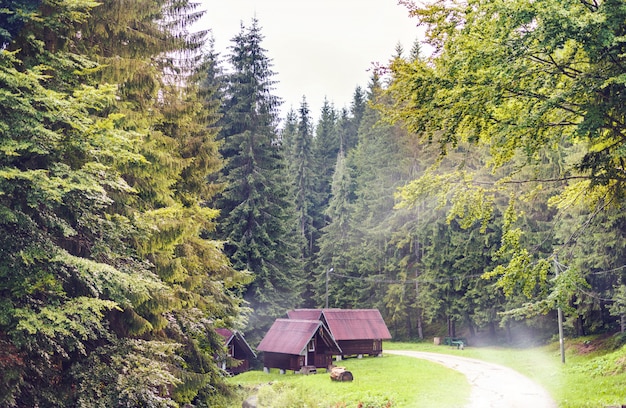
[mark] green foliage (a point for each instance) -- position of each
(258, 219)
(522, 99)
(128, 373)
(103, 192)
(80, 317)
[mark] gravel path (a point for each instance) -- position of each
(493, 386)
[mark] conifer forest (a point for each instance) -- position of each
(150, 192)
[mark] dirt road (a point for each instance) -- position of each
(492, 385)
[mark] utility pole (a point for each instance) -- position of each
(559, 313)
(327, 273)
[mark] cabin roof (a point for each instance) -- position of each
(348, 324)
(356, 324)
(226, 334)
(291, 336)
(305, 314)
(230, 336)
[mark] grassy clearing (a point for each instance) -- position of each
(593, 376)
(388, 381)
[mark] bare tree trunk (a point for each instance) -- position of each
(451, 327)
(420, 332)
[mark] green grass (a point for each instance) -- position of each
(388, 381)
(592, 376)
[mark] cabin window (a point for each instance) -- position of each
(231, 350)
(312, 345)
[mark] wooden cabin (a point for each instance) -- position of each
(298, 345)
(356, 331)
(239, 352)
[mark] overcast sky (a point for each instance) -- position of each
(319, 48)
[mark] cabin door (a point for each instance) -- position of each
(322, 360)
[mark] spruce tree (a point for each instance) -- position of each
(148, 50)
(335, 242)
(303, 167)
(258, 217)
(288, 133)
(119, 288)
(352, 125)
(326, 148)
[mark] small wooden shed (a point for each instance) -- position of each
(356, 331)
(291, 344)
(239, 352)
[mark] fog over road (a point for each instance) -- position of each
(493, 386)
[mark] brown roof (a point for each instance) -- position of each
(226, 334)
(356, 324)
(291, 336)
(230, 335)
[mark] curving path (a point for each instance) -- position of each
(493, 386)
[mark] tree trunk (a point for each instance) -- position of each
(451, 327)
(580, 326)
(420, 332)
(509, 335)
(492, 330)
(470, 325)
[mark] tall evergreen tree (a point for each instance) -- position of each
(119, 289)
(357, 110)
(258, 216)
(302, 168)
(335, 241)
(326, 148)
(150, 52)
(288, 133)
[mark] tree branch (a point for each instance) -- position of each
(592, 6)
(549, 180)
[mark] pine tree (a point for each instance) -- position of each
(119, 289)
(326, 149)
(288, 133)
(416, 51)
(61, 284)
(357, 110)
(147, 48)
(302, 167)
(258, 217)
(335, 242)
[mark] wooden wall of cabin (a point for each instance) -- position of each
(351, 347)
(283, 361)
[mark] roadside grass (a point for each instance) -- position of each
(594, 373)
(379, 382)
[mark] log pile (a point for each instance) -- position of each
(340, 374)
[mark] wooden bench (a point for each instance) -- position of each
(458, 342)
